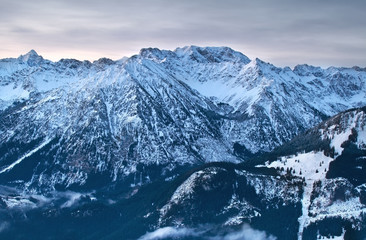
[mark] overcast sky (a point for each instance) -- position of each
(283, 32)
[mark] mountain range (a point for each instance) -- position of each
(149, 141)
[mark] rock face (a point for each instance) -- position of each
(313, 187)
(65, 124)
(201, 143)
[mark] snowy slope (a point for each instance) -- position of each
(108, 121)
(307, 198)
(277, 102)
(158, 108)
(327, 195)
(320, 196)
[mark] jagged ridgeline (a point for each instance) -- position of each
(65, 124)
(197, 142)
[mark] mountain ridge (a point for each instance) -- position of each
(147, 142)
(163, 108)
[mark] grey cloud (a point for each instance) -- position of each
(279, 28)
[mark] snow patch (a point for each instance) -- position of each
(73, 198)
(312, 165)
(11, 92)
(8, 168)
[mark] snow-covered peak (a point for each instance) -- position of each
(338, 131)
(104, 61)
(31, 58)
(262, 66)
(212, 54)
(205, 55)
(359, 69)
(345, 126)
(31, 53)
(280, 101)
(153, 53)
(306, 70)
(72, 64)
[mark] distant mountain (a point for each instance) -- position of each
(81, 125)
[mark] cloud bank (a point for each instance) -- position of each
(246, 233)
(284, 32)
(170, 232)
